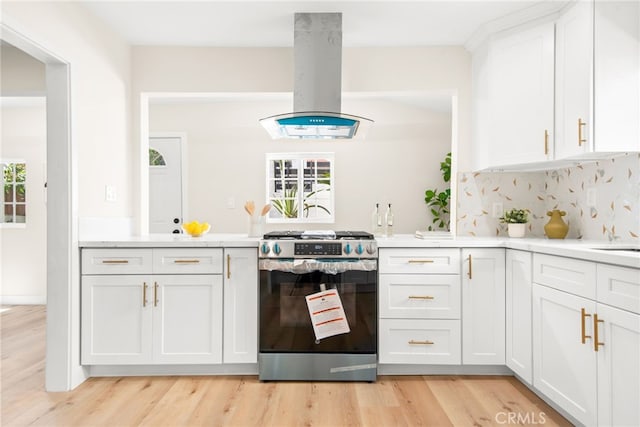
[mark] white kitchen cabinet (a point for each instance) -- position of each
(116, 319)
(564, 363)
(617, 76)
(574, 65)
(187, 319)
(240, 305)
(518, 283)
(483, 306)
(419, 306)
(618, 359)
(520, 96)
(567, 274)
(151, 317)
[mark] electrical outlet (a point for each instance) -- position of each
(231, 203)
(110, 193)
(591, 197)
(497, 210)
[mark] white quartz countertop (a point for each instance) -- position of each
(573, 248)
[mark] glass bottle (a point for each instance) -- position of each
(388, 220)
(376, 221)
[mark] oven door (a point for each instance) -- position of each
(285, 322)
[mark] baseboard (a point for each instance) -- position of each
(443, 370)
(162, 370)
(23, 300)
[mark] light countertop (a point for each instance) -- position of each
(573, 248)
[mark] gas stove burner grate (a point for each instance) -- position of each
(318, 235)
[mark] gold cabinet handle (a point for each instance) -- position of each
(115, 261)
(420, 297)
(580, 138)
(228, 266)
(420, 261)
(596, 342)
(583, 316)
(470, 273)
(546, 142)
(425, 342)
(155, 294)
(144, 294)
(186, 261)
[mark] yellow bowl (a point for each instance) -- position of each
(195, 229)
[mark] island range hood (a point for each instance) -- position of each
(317, 47)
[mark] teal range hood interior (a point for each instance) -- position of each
(317, 48)
(314, 125)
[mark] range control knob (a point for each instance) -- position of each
(347, 249)
(265, 248)
(276, 249)
(359, 249)
(371, 249)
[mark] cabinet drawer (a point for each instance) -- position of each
(187, 261)
(116, 261)
(420, 341)
(619, 287)
(565, 274)
(419, 261)
(420, 296)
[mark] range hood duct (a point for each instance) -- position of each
(317, 94)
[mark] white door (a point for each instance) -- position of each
(241, 305)
(483, 307)
(518, 306)
(187, 318)
(564, 369)
(618, 367)
(165, 185)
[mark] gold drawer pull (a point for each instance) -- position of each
(546, 142)
(115, 261)
(470, 273)
(420, 261)
(420, 297)
(144, 294)
(583, 316)
(228, 266)
(155, 294)
(425, 342)
(186, 261)
(596, 343)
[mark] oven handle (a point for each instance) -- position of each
(324, 265)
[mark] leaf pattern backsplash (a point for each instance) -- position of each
(614, 182)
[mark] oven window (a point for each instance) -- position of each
(285, 324)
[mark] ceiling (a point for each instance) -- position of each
(264, 23)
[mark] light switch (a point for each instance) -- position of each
(591, 197)
(497, 210)
(231, 203)
(110, 193)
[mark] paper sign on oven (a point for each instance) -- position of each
(327, 314)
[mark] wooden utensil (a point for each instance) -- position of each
(250, 207)
(265, 210)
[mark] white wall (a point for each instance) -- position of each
(371, 70)
(396, 162)
(23, 277)
(21, 73)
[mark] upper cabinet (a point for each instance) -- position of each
(574, 62)
(559, 88)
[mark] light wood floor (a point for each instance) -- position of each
(244, 401)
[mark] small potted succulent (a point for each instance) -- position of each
(516, 220)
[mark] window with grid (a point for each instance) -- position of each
(14, 197)
(300, 187)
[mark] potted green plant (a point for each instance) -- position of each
(438, 201)
(516, 220)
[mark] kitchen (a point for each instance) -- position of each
(415, 69)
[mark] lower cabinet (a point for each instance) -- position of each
(564, 363)
(518, 314)
(483, 306)
(420, 341)
(240, 305)
(168, 319)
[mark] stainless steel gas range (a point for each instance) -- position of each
(318, 306)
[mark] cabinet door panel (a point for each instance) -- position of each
(521, 96)
(518, 313)
(483, 307)
(564, 369)
(116, 322)
(187, 319)
(241, 306)
(618, 367)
